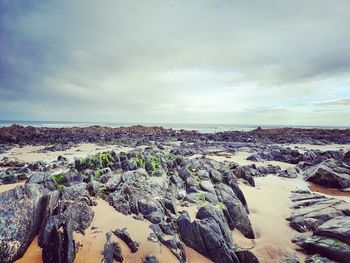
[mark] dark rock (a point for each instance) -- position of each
(205, 236)
(44, 179)
(246, 172)
(124, 235)
(330, 173)
(254, 158)
(289, 173)
(338, 227)
(21, 213)
(150, 259)
(327, 247)
(235, 212)
(346, 157)
(9, 178)
(318, 259)
(112, 251)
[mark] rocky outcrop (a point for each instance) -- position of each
(327, 247)
(124, 235)
(206, 237)
(330, 173)
(328, 219)
(338, 227)
(21, 213)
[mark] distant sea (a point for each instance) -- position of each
(202, 128)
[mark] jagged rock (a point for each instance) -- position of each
(68, 210)
(254, 158)
(21, 213)
(112, 251)
(338, 227)
(291, 172)
(150, 259)
(206, 185)
(346, 157)
(94, 188)
(318, 259)
(8, 178)
(330, 173)
(312, 210)
(206, 237)
(246, 172)
(328, 247)
(124, 235)
(44, 179)
(235, 212)
(113, 182)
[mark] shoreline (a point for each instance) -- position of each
(268, 200)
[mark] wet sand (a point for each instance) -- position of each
(269, 204)
(31, 154)
(330, 192)
(6, 187)
(240, 157)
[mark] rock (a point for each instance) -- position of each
(246, 172)
(328, 247)
(124, 235)
(346, 157)
(318, 259)
(60, 245)
(207, 186)
(254, 158)
(21, 214)
(212, 212)
(68, 210)
(312, 210)
(94, 188)
(215, 176)
(112, 251)
(291, 172)
(150, 259)
(338, 227)
(9, 178)
(235, 212)
(113, 182)
(24, 170)
(330, 173)
(205, 236)
(44, 179)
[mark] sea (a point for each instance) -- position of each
(202, 128)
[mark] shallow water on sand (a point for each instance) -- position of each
(269, 204)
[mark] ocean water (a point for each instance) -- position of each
(202, 128)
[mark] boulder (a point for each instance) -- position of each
(325, 246)
(330, 173)
(206, 237)
(124, 235)
(235, 212)
(338, 227)
(21, 213)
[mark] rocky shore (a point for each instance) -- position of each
(149, 194)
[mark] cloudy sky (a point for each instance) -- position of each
(243, 62)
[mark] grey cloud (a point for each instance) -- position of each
(337, 102)
(155, 60)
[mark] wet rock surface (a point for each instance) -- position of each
(329, 221)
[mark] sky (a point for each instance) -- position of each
(234, 62)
